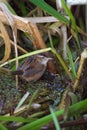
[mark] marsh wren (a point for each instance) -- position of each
(32, 68)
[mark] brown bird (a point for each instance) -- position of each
(32, 68)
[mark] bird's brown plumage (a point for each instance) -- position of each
(32, 68)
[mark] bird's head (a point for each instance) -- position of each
(43, 59)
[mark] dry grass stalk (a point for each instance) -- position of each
(6, 38)
(82, 60)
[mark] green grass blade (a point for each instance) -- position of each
(36, 125)
(33, 97)
(26, 55)
(62, 63)
(2, 127)
(71, 62)
(55, 119)
(13, 118)
(22, 100)
(73, 21)
(43, 5)
(23, 8)
(9, 7)
(77, 108)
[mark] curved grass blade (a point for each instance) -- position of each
(62, 63)
(26, 55)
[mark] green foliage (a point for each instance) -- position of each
(55, 119)
(2, 127)
(13, 118)
(71, 62)
(50, 10)
(75, 109)
(23, 8)
(73, 22)
(43, 5)
(10, 8)
(78, 108)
